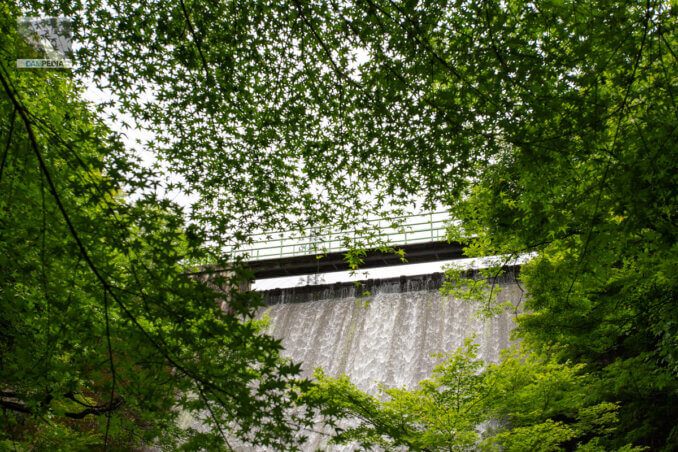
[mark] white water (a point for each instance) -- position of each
(385, 337)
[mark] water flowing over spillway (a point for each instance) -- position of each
(387, 336)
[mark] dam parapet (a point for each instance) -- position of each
(403, 284)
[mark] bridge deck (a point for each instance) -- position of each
(310, 264)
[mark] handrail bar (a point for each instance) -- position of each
(319, 241)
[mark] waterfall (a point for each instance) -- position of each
(381, 331)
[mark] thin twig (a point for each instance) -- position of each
(112, 366)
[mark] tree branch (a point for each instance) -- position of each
(94, 409)
(9, 140)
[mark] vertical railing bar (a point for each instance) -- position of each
(314, 242)
(431, 224)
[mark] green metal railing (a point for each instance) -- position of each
(408, 229)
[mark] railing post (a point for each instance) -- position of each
(314, 241)
(431, 224)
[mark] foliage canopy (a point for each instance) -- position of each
(525, 402)
(546, 126)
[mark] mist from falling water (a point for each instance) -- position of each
(387, 336)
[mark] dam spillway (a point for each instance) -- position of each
(382, 331)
